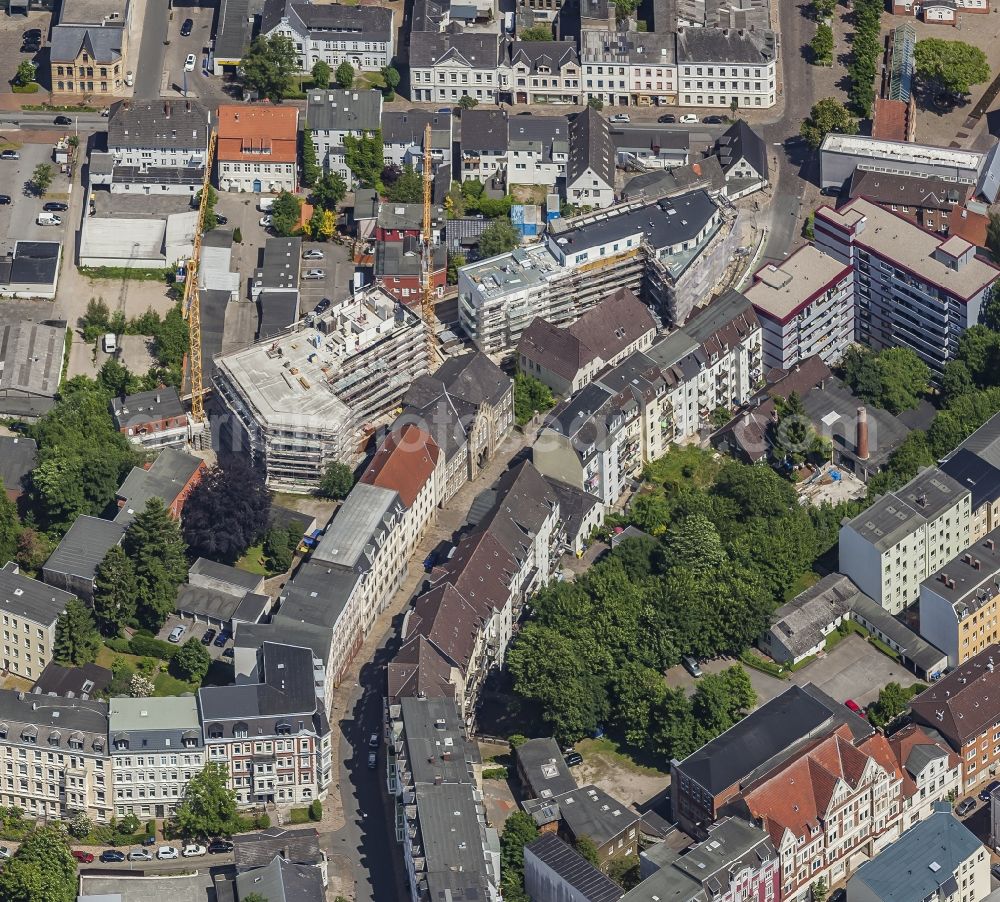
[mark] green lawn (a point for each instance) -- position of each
(368, 80)
(251, 561)
(684, 464)
(169, 685)
(607, 749)
(806, 580)
(106, 655)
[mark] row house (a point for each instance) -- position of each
(590, 169)
(271, 732)
(726, 67)
(444, 67)
(485, 141)
(333, 33)
(156, 747)
(932, 772)
(257, 148)
(537, 150)
(928, 202)
(334, 114)
(540, 72)
(403, 133)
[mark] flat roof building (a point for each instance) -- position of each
(31, 364)
(74, 562)
(840, 155)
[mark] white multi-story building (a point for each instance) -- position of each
(257, 148)
(905, 536)
(445, 67)
(629, 68)
(332, 115)
(334, 33)
(30, 610)
(537, 150)
(403, 137)
(157, 747)
(271, 730)
(541, 72)
(719, 66)
(912, 288)
(934, 771)
(53, 755)
(806, 306)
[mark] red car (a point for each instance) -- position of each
(83, 857)
(855, 707)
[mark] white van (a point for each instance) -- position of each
(110, 343)
(48, 219)
(265, 204)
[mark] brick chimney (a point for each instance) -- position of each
(861, 442)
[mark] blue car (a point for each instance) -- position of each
(222, 639)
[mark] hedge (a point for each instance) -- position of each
(495, 773)
(148, 647)
(758, 663)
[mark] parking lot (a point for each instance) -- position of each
(12, 29)
(196, 629)
(17, 220)
(204, 86)
(338, 271)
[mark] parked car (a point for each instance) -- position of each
(314, 274)
(372, 760)
(32, 34)
(987, 791)
(207, 637)
(669, 117)
(220, 846)
(228, 652)
(995, 871)
(220, 219)
(166, 853)
(855, 707)
(322, 305)
(713, 120)
(55, 206)
(140, 855)
(5, 200)
(373, 741)
(573, 759)
(193, 850)
(313, 253)
(48, 219)
(62, 120)
(965, 807)
(221, 639)
(83, 857)
(110, 342)
(176, 633)
(9, 155)
(839, 895)
(265, 221)
(620, 117)
(110, 855)
(689, 118)
(691, 666)
(189, 62)
(5, 852)
(832, 191)
(106, 112)
(186, 27)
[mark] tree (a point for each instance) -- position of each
(455, 262)
(956, 380)
(337, 481)
(892, 701)
(950, 66)
(625, 871)
(209, 806)
(408, 188)
(154, 544)
(80, 826)
(391, 77)
(345, 75)
(989, 313)
(210, 220)
(278, 550)
(993, 235)
(329, 191)
(41, 870)
(269, 65)
(321, 74)
(531, 396)
(587, 849)
(468, 102)
(904, 379)
(518, 831)
(498, 238)
(41, 178)
(310, 168)
(25, 74)
(827, 115)
(861, 371)
(625, 8)
(76, 641)
(116, 380)
(10, 527)
(364, 157)
(115, 591)
(322, 225)
(285, 213)
(191, 662)
(595, 103)
(819, 890)
(33, 549)
(822, 45)
(140, 686)
(227, 511)
(536, 33)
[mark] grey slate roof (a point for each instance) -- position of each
(83, 547)
(335, 110)
(590, 146)
(905, 190)
(18, 457)
(237, 581)
(103, 43)
(541, 761)
(484, 130)
(725, 45)
(54, 721)
(147, 406)
(474, 378)
(22, 596)
(979, 476)
(254, 850)
(31, 357)
(739, 141)
(284, 632)
(282, 881)
(34, 263)
(316, 595)
(168, 124)
(358, 528)
(799, 623)
(236, 21)
(587, 811)
(923, 863)
(478, 50)
(551, 54)
(407, 127)
(330, 21)
(165, 479)
(571, 866)
(85, 681)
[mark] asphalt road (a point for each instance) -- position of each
(151, 51)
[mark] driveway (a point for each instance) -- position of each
(17, 220)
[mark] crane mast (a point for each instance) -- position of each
(427, 256)
(191, 306)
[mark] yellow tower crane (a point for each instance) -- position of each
(192, 301)
(427, 256)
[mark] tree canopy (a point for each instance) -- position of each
(191, 662)
(895, 378)
(329, 190)
(227, 511)
(827, 115)
(518, 830)
(364, 157)
(337, 481)
(209, 805)
(154, 544)
(531, 396)
(269, 65)
(408, 188)
(41, 870)
(321, 74)
(952, 66)
(310, 167)
(345, 75)
(77, 641)
(498, 238)
(115, 591)
(285, 213)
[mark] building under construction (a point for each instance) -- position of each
(315, 394)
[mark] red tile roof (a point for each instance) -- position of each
(258, 134)
(969, 225)
(889, 120)
(903, 742)
(404, 462)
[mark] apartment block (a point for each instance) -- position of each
(959, 602)
(939, 858)
(53, 756)
(156, 747)
(403, 137)
(964, 708)
(30, 612)
(720, 66)
(975, 463)
(806, 306)
(90, 55)
(912, 289)
(542, 72)
(270, 730)
(257, 148)
(332, 115)
(153, 419)
(629, 67)
(352, 367)
(905, 536)
(932, 772)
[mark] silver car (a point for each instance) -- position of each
(314, 274)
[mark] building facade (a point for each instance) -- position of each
(30, 612)
(153, 420)
(722, 66)
(257, 148)
(332, 115)
(89, 52)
